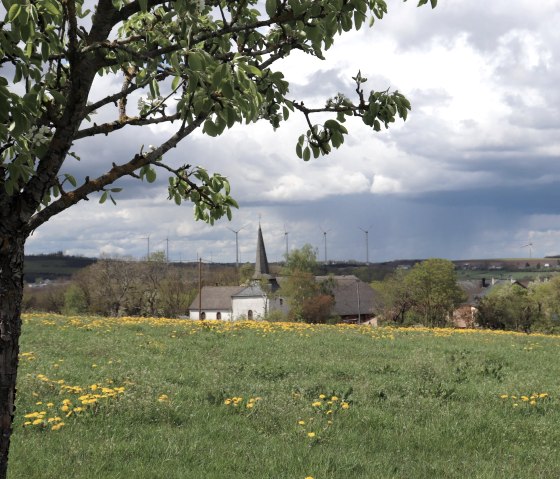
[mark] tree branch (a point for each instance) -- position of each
(107, 128)
(116, 172)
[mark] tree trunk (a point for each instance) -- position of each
(11, 292)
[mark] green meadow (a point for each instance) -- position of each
(153, 398)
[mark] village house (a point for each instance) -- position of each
(354, 300)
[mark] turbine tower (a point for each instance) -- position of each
(237, 244)
(147, 238)
(366, 231)
(325, 241)
(286, 239)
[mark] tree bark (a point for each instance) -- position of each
(11, 291)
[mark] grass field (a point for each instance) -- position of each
(148, 398)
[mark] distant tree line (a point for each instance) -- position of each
(123, 286)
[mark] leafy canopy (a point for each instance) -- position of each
(191, 63)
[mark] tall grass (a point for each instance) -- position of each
(407, 403)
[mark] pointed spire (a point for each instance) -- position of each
(261, 263)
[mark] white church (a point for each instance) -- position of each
(354, 300)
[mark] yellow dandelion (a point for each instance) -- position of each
(301, 423)
(345, 405)
(56, 427)
(250, 405)
(334, 398)
(310, 434)
(65, 408)
(163, 398)
(316, 404)
(515, 404)
(27, 423)
(329, 411)
(533, 402)
(37, 421)
(308, 477)
(504, 396)
(322, 396)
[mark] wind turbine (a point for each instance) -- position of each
(237, 243)
(325, 241)
(530, 246)
(147, 238)
(286, 238)
(366, 231)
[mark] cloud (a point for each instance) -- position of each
(473, 172)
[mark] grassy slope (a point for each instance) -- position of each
(424, 404)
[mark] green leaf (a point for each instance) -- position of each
(150, 175)
(210, 128)
(143, 5)
(70, 179)
(306, 154)
(195, 61)
(271, 7)
(103, 198)
(14, 12)
(51, 7)
(253, 69)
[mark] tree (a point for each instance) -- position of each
(434, 291)
(310, 300)
(510, 307)
(196, 65)
(396, 297)
(303, 259)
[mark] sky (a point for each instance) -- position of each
(473, 173)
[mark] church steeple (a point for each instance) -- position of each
(261, 263)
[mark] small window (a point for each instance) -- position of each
(250, 314)
(203, 315)
(281, 302)
(218, 315)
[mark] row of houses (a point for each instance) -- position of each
(354, 300)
